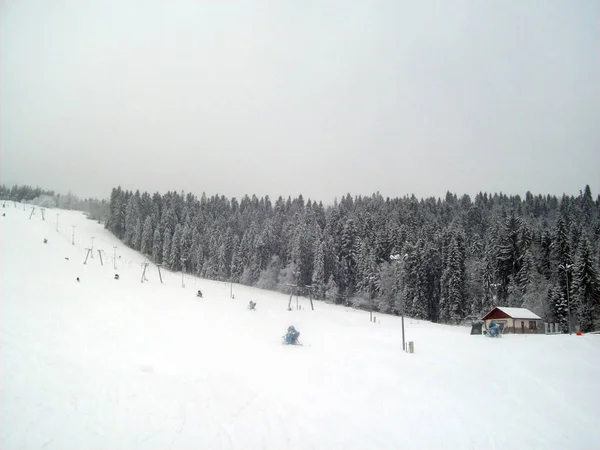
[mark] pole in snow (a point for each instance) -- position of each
(145, 265)
(159, 274)
(87, 254)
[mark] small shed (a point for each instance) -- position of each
(513, 320)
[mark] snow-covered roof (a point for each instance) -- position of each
(519, 313)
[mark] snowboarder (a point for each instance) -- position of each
(251, 305)
(199, 294)
(291, 337)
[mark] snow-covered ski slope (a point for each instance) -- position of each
(107, 364)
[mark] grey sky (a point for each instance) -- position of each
(313, 97)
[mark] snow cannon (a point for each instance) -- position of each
(291, 337)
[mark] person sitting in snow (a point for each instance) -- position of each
(199, 294)
(251, 305)
(291, 337)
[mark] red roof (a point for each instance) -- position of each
(501, 312)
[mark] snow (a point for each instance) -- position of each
(121, 364)
(519, 313)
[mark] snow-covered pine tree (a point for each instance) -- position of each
(147, 235)
(318, 276)
(166, 250)
(175, 255)
(132, 215)
(560, 306)
(157, 246)
(331, 290)
(221, 257)
(185, 255)
(349, 249)
(237, 267)
(526, 272)
(454, 280)
(137, 236)
(586, 287)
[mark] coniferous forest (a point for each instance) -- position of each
(442, 260)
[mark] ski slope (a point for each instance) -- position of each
(122, 364)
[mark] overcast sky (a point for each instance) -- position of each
(313, 97)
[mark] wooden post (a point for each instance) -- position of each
(411, 347)
(43, 217)
(32, 209)
(89, 250)
(100, 255)
(159, 274)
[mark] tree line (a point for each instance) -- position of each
(442, 260)
(95, 209)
